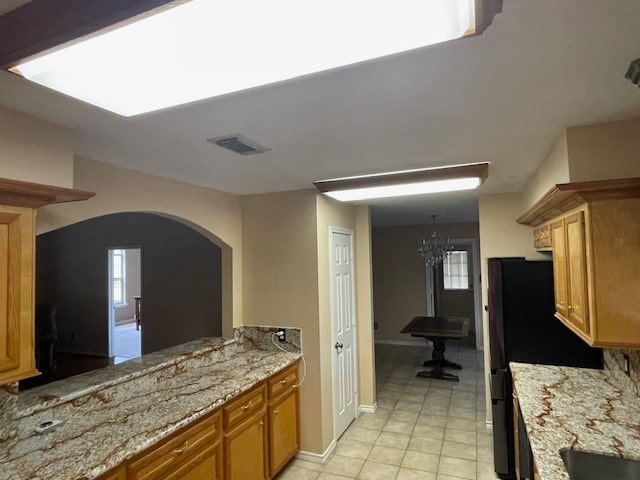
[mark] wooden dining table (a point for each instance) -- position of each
(437, 330)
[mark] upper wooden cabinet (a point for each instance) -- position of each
(18, 201)
(595, 230)
(17, 351)
(570, 272)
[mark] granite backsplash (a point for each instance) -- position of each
(614, 363)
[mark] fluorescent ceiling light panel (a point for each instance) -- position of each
(419, 188)
(405, 183)
(203, 48)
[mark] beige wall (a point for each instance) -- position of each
(280, 286)
(501, 236)
(216, 214)
(553, 169)
(588, 152)
(604, 151)
(287, 283)
(399, 282)
(364, 297)
(32, 150)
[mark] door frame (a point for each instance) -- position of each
(477, 285)
(356, 380)
(111, 319)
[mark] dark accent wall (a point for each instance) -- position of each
(181, 280)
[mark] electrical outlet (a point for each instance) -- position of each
(626, 366)
(375, 325)
(282, 335)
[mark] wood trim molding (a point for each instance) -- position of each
(480, 170)
(486, 10)
(40, 25)
(566, 196)
(35, 195)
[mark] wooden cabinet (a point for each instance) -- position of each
(570, 271)
(118, 474)
(193, 454)
(252, 437)
(18, 201)
(542, 238)
(284, 428)
(560, 267)
(595, 227)
(245, 438)
(17, 238)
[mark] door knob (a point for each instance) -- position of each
(338, 345)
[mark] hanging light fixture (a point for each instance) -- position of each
(436, 248)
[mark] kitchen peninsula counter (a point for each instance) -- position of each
(577, 408)
(113, 414)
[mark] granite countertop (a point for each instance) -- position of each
(579, 408)
(110, 422)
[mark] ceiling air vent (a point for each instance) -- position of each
(239, 144)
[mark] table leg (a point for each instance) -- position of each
(438, 345)
(437, 362)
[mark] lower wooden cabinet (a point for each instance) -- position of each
(192, 454)
(118, 474)
(245, 456)
(252, 437)
(284, 417)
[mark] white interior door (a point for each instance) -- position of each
(343, 324)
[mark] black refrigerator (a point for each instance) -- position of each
(522, 328)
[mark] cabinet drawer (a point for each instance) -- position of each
(283, 382)
(542, 237)
(176, 451)
(245, 406)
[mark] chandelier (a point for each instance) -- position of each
(435, 248)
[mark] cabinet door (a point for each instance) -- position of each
(17, 354)
(284, 438)
(206, 465)
(560, 267)
(119, 474)
(196, 448)
(244, 450)
(577, 309)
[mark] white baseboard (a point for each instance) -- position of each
(367, 408)
(317, 457)
(402, 342)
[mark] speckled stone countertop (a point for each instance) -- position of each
(116, 413)
(578, 408)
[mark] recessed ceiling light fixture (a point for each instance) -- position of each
(405, 183)
(202, 49)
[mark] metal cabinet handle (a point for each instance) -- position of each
(275, 412)
(180, 451)
(283, 382)
(338, 345)
(246, 406)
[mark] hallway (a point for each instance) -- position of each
(423, 429)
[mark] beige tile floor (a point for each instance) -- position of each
(423, 429)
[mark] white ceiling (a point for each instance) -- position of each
(502, 97)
